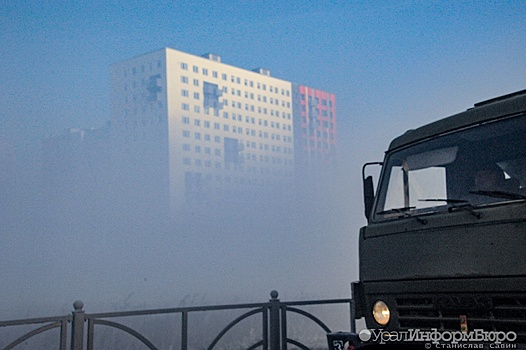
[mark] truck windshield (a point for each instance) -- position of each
(477, 166)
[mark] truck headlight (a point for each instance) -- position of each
(381, 312)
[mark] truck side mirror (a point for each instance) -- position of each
(368, 190)
(368, 195)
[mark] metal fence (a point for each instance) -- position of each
(273, 313)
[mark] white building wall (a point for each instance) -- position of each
(161, 120)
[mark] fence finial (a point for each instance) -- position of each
(274, 294)
(78, 305)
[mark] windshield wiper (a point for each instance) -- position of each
(405, 211)
(499, 194)
(447, 200)
(455, 204)
(402, 210)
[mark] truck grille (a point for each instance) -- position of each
(493, 312)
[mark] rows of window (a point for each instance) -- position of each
(316, 100)
(237, 93)
(249, 145)
(236, 80)
(239, 131)
(319, 134)
(273, 113)
(235, 128)
(316, 144)
(217, 165)
(264, 147)
(316, 112)
(142, 68)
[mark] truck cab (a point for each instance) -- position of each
(444, 249)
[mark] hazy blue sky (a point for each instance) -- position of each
(392, 65)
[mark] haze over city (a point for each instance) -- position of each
(392, 66)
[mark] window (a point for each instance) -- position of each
(475, 166)
(196, 82)
(214, 74)
(197, 122)
(205, 71)
(196, 95)
(197, 136)
(184, 66)
(184, 79)
(195, 69)
(186, 120)
(186, 133)
(184, 93)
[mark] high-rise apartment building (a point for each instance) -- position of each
(188, 128)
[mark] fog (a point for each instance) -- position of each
(70, 229)
(66, 240)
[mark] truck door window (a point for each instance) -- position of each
(426, 183)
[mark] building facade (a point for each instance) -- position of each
(315, 136)
(190, 128)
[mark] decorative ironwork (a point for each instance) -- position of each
(273, 314)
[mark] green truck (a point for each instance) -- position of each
(443, 255)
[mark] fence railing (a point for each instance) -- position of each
(274, 335)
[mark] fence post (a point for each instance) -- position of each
(184, 330)
(77, 326)
(274, 325)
